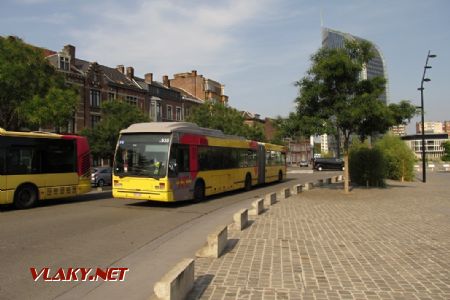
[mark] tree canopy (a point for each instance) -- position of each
(333, 95)
(224, 118)
(32, 92)
(116, 115)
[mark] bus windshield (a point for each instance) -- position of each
(142, 155)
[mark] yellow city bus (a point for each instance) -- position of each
(36, 166)
(176, 161)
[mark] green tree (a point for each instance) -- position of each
(332, 94)
(399, 158)
(224, 118)
(116, 115)
(254, 132)
(55, 108)
(26, 81)
(446, 156)
(295, 127)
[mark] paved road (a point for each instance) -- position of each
(98, 231)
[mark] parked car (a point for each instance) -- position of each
(328, 164)
(303, 163)
(101, 176)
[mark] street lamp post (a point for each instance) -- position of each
(424, 171)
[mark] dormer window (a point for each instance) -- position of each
(64, 63)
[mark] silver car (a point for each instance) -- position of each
(101, 176)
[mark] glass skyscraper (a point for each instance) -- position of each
(376, 66)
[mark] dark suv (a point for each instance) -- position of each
(328, 164)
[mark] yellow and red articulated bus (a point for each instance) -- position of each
(176, 161)
(36, 166)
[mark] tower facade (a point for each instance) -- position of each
(376, 66)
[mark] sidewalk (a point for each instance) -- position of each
(391, 243)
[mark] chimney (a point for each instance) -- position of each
(148, 78)
(70, 50)
(121, 69)
(166, 81)
(194, 73)
(130, 72)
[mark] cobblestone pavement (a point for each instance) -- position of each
(391, 243)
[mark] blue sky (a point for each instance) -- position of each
(257, 48)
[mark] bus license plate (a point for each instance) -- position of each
(137, 194)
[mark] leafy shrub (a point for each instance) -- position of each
(366, 166)
(446, 156)
(398, 156)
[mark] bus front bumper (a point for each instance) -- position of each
(161, 196)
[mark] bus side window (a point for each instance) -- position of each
(2, 161)
(59, 156)
(183, 158)
(22, 160)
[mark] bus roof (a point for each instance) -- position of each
(30, 134)
(275, 147)
(183, 127)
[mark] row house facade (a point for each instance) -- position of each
(98, 83)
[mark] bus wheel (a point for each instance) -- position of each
(199, 191)
(25, 196)
(280, 176)
(248, 182)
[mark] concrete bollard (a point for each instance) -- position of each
(270, 199)
(319, 182)
(308, 186)
(176, 284)
(297, 189)
(216, 243)
(285, 193)
(340, 178)
(258, 207)
(241, 219)
(334, 179)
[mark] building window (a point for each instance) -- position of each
(95, 98)
(178, 113)
(64, 63)
(95, 119)
(158, 112)
(169, 112)
(132, 100)
(111, 96)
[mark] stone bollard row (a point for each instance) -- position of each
(258, 207)
(297, 189)
(216, 243)
(270, 199)
(178, 282)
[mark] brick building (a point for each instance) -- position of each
(98, 83)
(267, 124)
(198, 86)
(398, 130)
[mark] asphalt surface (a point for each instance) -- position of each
(95, 230)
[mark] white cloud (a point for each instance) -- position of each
(166, 37)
